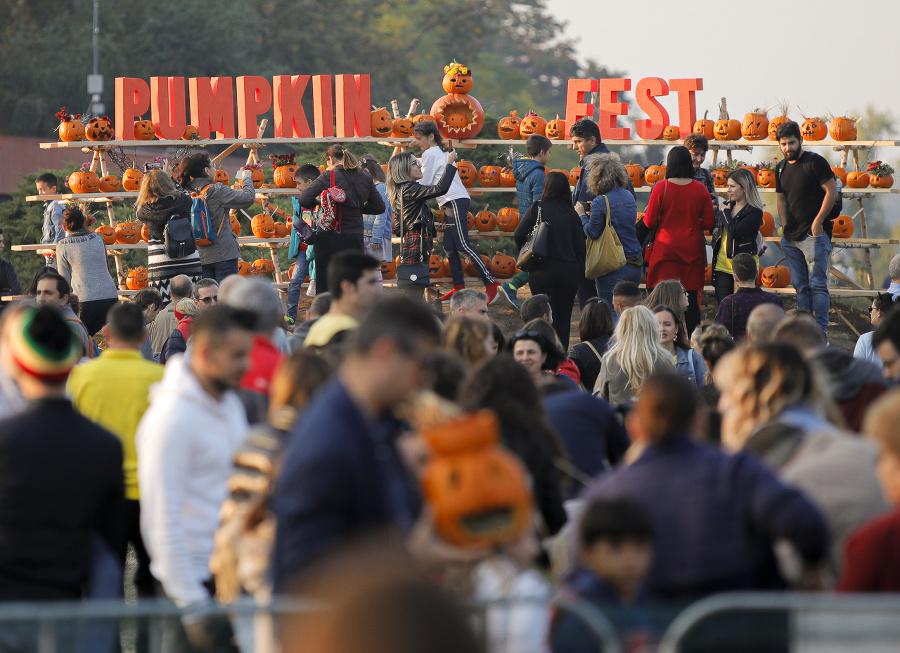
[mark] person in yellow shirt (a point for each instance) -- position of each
(112, 390)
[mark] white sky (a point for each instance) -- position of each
(824, 56)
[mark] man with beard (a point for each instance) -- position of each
(806, 194)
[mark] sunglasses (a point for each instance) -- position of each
(526, 334)
(207, 300)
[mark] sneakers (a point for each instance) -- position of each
(450, 294)
(311, 289)
(288, 321)
(509, 294)
(493, 293)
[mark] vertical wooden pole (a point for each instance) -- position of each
(111, 214)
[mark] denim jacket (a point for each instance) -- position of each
(379, 225)
(691, 366)
(52, 230)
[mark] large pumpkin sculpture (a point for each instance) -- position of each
(842, 227)
(477, 491)
(509, 128)
(136, 279)
(556, 129)
(458, 114)
(776, 276)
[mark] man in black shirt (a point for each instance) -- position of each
(806, 194)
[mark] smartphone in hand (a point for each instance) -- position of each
(449, 144)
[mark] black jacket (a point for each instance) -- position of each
(411, 205)
(362, 197)
(156, 214)
(741, 228)
(9, 280)
(566, 242)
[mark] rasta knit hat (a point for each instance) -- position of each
(42, 344)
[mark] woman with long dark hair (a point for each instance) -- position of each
(558, 273)
(195, 174)
(594, 330)
(361, 197)
(678, 211)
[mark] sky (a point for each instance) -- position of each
(822, 57)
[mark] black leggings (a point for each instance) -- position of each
(560, 284)
(329, 243)
(724, 285)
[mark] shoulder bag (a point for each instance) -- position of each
(330, 200)
(179, 237)
(411, 274)
(536, 246)
(605, 254)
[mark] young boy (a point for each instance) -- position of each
(305, 175)
(615, 541)
(698, 145)
(529, 174)
(52, 230)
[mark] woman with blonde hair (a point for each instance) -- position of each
(468, 337)
(159, 200)
(608, 180)
(635, 354)
(737, 230)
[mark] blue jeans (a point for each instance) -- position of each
(607, 282)
(808, 260)
(220, 270)
(300, 269)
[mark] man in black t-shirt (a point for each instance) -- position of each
(806, 194)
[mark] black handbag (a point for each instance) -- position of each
(412, 274)
(179, 237)
(536, 247)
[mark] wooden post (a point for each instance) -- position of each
(111, 214)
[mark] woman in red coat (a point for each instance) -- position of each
(679, 210)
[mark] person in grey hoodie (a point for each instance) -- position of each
(195, 173)
(53, 290)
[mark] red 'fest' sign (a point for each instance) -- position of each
(342, 109)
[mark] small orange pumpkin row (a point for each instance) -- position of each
(756, 126)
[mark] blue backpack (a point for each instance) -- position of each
(201, 223)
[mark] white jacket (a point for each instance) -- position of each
(185, 445)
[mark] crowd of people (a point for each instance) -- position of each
(667, 460)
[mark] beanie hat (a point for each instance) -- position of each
(42, 344)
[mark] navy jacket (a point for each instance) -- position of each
(342, 478)
(715, 517)
(529, 176)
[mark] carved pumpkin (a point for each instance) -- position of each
(753, 170)
(457, 79)
(107, 233)
(707, 275)
(842, 227)
(382, 125)
(766, 178)
(468, 175)
(128, 233)
(458, 116)
(654, 174)
(720, 177)
(71, 130)
(99, 129)
(136, 279)
(190, 133)
(143, 130)
(435, 266)
(485, 220)
(244, 269)
(635, 174)
(509, 128)
(388, 269)
(477, 491)
(813, 129)
(881, 181)
(222, 177)
(556, 129)
(263, 226)
(84, 182)
(257, 176)
(532, 124)
(776, 276)
(110, 184)
(841, 174)
(507, 178)
(235, 223)
(262, 266)
(767, 228)
(446, 270)
(471, 221)
(704, 126)
(671, 133)
(857, 179)
(508, 218)
(145, 232)
(402, 128)
(131, 179)
(489, 176)
(774, 124)
(574, 175)
(755, 126)
(284, 176)
(843, 129)
(469, 268)
(282, 230)
(727, 130)
(503, 266)
(422, 117)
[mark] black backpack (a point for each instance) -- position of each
(179, 237)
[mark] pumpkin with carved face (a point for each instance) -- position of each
(755, 126)
(556, 129)
(282, 230)
(471, 219)
(774, 124)
(382, 125)
(720, 177)
(107, 233)
(128, 233)
(71, 130)
(704, 127)
(263, 226)
(235, 223)
(145, 232)
(881, 181)
(222, 177)
(842, 227)
(766, 178)
(485, 220)
(388, 269)
(131, 179)
(813, 129)
(446, 270)
(635, 174)
(457, 79)
(190, 133)
(776, 276)
(574, 175)
(244, 269)
(489, 176)
(458, 115)
(727, 130)
(435, 266)
(262, 266)
(144, 130)
(136, 279)
(422, 117)
(507, 178)
(843, 129)
(508, 218)
(509, 128)
(503, 266)
(532, 124)
(257, 176)
(468, 175)
(110, 184)
(654, 174)
(671, 133)
(284, 176)
(99, 129)
(84, 182)
(469, 268)
(402, 128)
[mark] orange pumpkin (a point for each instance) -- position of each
(145, 233)
(263, 226)
(471, 219)
(477, 491)
(107, 233)
(813, 129)
(257, 176)
(70, 130)
(774, 124)
(508, 218)
(435, 266)
(244, 269)
(671, 133)
(458, 116)
(727, 129)
(766, 178)
(446, 270)
(468, 175)
(235, 223)
(704, 126)
(857, 179)
(776, 276)
(222, 177)
(707, 275)
(509, 128)
(382, 125)
(507, 178)
(110, 184)
(654, 174)
(489, 176)
(755, 126)
(422, 117)
(190, 133)
(842, 227)
(457, 79)
(486, 220)
(532, 124)
(144, 131)
(881, 181)
(556, 129)
(128, 233)
(262, 266)
(388, 269)
(282, 230)
(131, 179)
(767, 228)
(503, 266)
(99, 129)
(469, 268)
(290, 272)
(402, 128)
(842, 129)
(720, 177)
(136, 279)
(635, 174)
(841, 174)
(84, 182)
(284, 176)
(574, 175)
